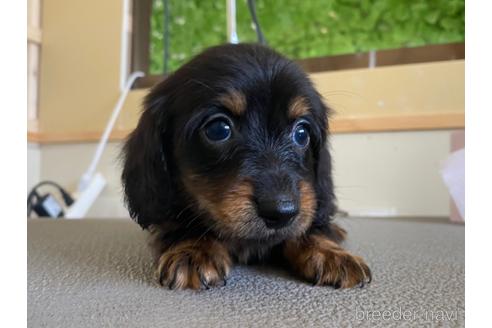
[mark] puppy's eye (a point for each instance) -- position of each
(300, 135)
(218, 129)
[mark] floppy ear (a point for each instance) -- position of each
(324, 185)
(323, 172)
(146, 177)
(326, 199)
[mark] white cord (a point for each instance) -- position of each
(87, 176)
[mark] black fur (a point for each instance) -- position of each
(166, 143)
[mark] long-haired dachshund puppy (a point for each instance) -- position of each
(229, 164)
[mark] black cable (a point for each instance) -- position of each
(33, 194)
(30, 196)
(166, 35)
(252, 11)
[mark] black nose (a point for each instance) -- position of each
(277, 212)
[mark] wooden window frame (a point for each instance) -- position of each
(140, 52)
(34, 41)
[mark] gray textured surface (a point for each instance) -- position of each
(96, 273)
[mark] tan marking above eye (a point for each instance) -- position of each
(234, 101)
(298, 107)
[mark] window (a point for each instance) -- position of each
(307, 31)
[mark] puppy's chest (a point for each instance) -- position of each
(246, 252)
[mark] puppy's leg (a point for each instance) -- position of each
(194, 263)
(322, 261)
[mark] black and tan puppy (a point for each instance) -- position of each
(229, 164)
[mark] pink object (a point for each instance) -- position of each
(453, 174)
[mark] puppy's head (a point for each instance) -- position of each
(236, 138)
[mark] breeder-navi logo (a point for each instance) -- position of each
(406, 315)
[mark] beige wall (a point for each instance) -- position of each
(80, 63)
(395, 173)
(375, 173)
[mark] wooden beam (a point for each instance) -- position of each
(390, 57)
(34, 35)
(73, 137)
(399, 123)
(340, 125)
(32, 126)
(33, 51)
(142, 12)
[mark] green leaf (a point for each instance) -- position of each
(432, 17)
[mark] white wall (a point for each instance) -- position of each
(33, 165)
(395, 173)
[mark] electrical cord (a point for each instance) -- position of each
(254, 17)
(33, 194)
(87, 176)
(90, 184)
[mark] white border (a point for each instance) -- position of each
(478, 167)
(13, 177)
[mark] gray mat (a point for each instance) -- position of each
(96, 273)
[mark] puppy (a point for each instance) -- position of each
(229, 164)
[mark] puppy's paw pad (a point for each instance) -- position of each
(194, 265)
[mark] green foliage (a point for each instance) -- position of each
(309, 28)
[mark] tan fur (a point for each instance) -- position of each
(338, 234)
(230, 203)
(298, 107)
(308, 203)
(235, 204)
(194, 264)
(324, 262)
(234, 101)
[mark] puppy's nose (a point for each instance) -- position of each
(277, 212)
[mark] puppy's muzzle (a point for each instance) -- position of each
(277, 211)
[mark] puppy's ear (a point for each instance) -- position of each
(146, 177)
(323, 171)
(324, 185)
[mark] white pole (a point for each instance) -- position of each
(372, 59)
(126, 32)
(231, 22)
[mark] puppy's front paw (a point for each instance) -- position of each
(194, 264)
(324, 262)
